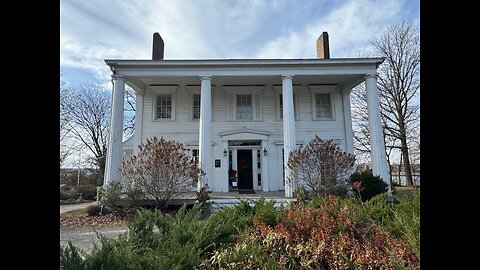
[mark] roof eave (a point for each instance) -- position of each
(241, 62)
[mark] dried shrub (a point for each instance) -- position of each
(316, 238)
(322, 166)
(92, 210)
(110, 194)
(161, 169)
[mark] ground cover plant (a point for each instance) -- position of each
(327, 233)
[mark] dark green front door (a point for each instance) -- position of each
(244, 165)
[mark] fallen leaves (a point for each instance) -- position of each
(95, 221)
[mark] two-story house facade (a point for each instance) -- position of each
(243, 115)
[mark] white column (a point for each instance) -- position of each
(205, 140)
(115, 134)
(289, 140)
(137, 135)
(347, 113)
(379, 158)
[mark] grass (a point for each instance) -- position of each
(405, 192)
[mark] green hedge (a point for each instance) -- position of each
(88, 192)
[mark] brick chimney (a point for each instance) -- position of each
(323, 50)
(158, 47)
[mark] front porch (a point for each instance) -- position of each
(223, 199)
(218, 199)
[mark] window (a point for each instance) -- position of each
(164, 106)
(196, 106)
(244, 103)
(195, 155)
(195, 159)
(280, 101)
(323, 106)
(163, 102)
(244, 107)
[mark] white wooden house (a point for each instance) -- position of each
(243, 114)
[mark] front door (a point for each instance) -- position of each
(244, 165)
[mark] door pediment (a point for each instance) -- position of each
(245, 134)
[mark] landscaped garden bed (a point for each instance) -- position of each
(325, 233)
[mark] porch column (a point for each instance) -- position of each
(205, 140)
(115, 133)
(347, 113)
(137, 135)
(379, 158)
(289, 140)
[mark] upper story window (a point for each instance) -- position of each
(244, 107)
(196, 106)
(323, 106)
(244, 103)
(279, 102)
(164, 106)
(163, 102)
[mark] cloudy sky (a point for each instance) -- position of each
(93, 30)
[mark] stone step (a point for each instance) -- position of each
(225, 202)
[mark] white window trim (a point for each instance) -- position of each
(163, 90)
(278, 92)
(193, 90)
(233, 91)
(322, 89)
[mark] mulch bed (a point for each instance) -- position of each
(116, 218)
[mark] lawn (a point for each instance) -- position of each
(406, 191)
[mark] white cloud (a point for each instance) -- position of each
(92, 31)
(350, 27)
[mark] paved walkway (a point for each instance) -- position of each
(85, 237)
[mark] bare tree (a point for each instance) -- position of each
(160, 170)
(399, 85)
(87, 110)
(129, 112)
(322, 166)
(67, 146)
(360, 125)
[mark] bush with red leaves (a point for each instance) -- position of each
(316, 238)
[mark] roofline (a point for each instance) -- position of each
(240, 62)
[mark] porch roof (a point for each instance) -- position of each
(347, 72)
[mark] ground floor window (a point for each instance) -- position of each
(195, 159)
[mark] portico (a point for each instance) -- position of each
(238, 102)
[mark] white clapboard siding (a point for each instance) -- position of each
(186, 129)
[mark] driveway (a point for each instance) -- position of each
(85, 237)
